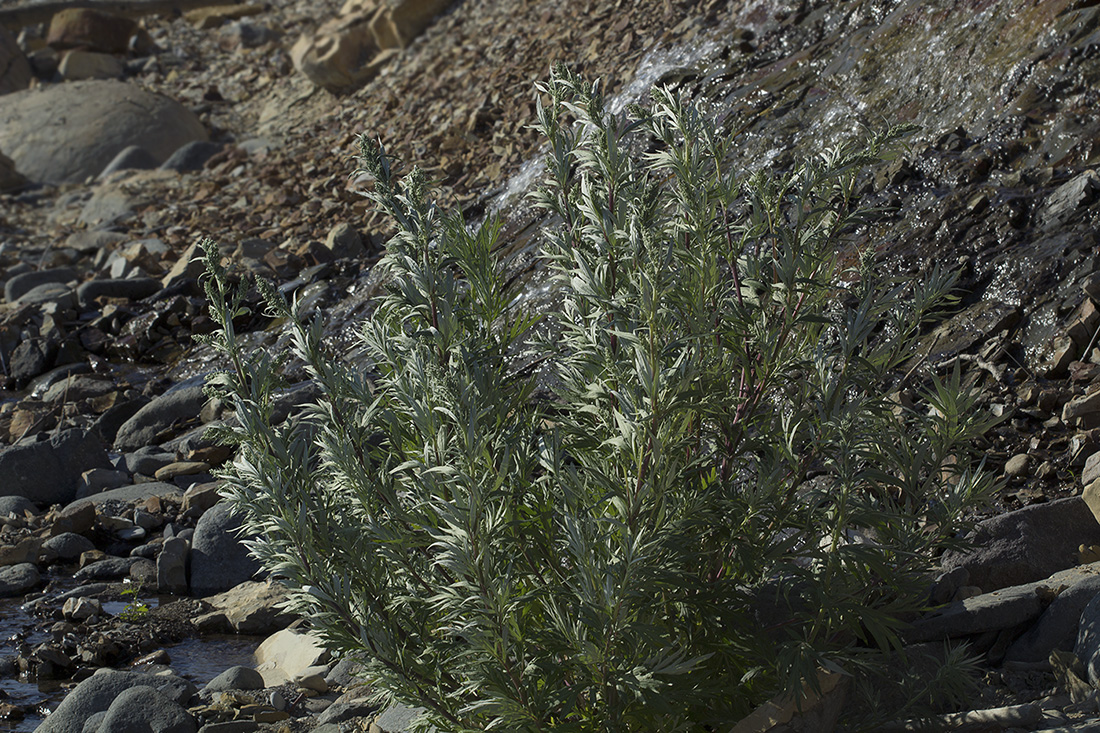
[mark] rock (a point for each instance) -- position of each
(181, 468)
(1071, 197)
(29, 359)
(48, 472)
(15, 580)
(57, 293)
(236, 678)
(19, 285)
(213, 16)
(313, 678)
(172, 566)
(191, 157)
(1001, 609)
(96, 694)
(79, 387)
(174, 406)
(1026, 545)
(67, 546)
(96, 480)
(1087, 647)
(1017, 465)
(10, 179)
(1057, 627)
(78, 65)
(106, 569)
(397, 719)
(1081, 408)
(249, 608)
(142, 709)
(1091, 470)
(188, 267)
(131, 288)
(74, 519)
(132, 157)
(219, 560)
(26, 550)
(101, 118)
(147, 460)
(345, 673)
(340, 712)
(246, 34)
(398, 23)
(344, 241)
(130, 494)
(337, 55)
(80, 609)
(91, 30)
(16, 506)
(283, 655)
(15, 70)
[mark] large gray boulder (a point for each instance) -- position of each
(68, 132)
(48, 472)
(143, 709)
(95, 695)
(219, 560)
(1027, 545)
(15, 580)
(175, 405)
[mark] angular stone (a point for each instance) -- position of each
(48, 472)
(81, 609)
(90, 29)
(10, 179)
(172, 566)
(78, 65)
(1056, 628)
(336, 56)
(219, 559)
(145, 427)
(252, 607)
(15, 70)
(283, 655)
(344, 241)
(74, 519)
(398, 22)
(26, 550)
(1081, 407)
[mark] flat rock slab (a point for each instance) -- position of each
(147, 424)
(135, 492)
(65, 133)
(1027, 545)
(1001, 609)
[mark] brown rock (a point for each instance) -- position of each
(200, 498)
(212, 17)
(10, 179)
(337, 55)
(26, 550)
(92, 30)
(180, 468)
(15, 70)
(78, 518)
(396, 24)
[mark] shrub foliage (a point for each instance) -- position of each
(681, 492)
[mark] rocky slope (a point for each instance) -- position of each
(100, 299)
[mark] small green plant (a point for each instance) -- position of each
(135, 610)
(679, 494)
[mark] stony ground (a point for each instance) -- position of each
(1013, 204)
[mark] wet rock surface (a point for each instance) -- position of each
(110, 500)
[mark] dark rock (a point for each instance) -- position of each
(58, 293)
(133, 157)
(135, 492)
(96, 694)
(29, 359)
(142, 709)
(107, 568)
(191, 157)
(20, 285)
(345, 673)
(340, 712)
(1027, 545)
(48, 472)
(147, 425)
(236, 678)
(134, 288)
(107, 424)
(219, 560)
(1087, 647)
(1057, 628)
(171, 566)
(16, 505)
(148, 460)
(68, 546)
(15, 580)
(76, 518)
